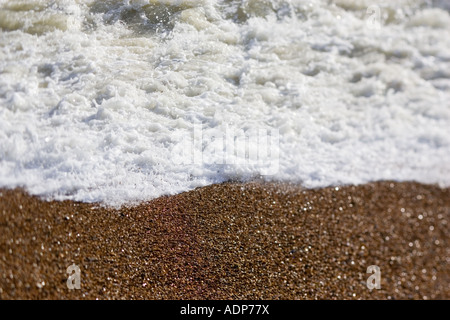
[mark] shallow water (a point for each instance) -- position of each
(118, 101)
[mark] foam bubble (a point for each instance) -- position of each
(116, 101)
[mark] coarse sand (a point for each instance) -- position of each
(232, 241)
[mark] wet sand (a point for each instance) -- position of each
(232, 241)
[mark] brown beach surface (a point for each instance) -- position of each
(232, 241)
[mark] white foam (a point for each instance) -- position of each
(99, 99)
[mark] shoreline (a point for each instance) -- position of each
(233, 240)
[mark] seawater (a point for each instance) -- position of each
(99, 100)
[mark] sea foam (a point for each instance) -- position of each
(100, 100)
